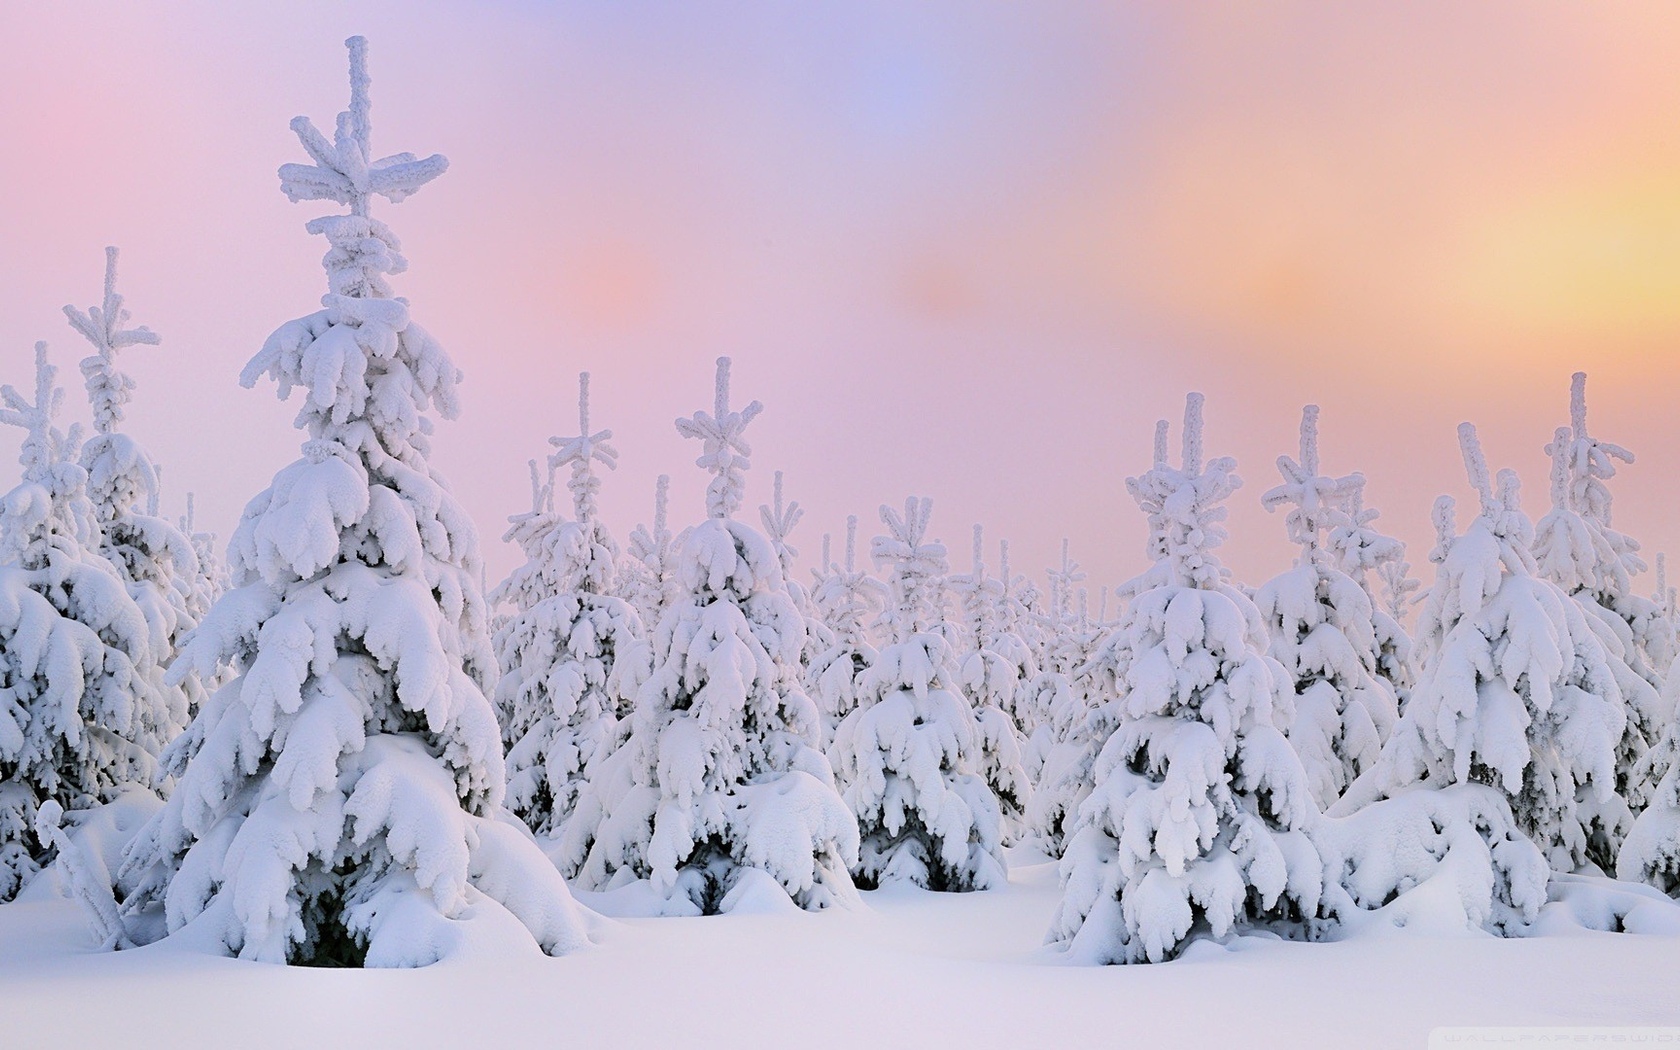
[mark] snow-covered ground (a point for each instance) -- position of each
(909, 968)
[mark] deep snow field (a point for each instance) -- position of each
(907, 968)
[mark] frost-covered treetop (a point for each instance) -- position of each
(1185, 505)
(581, 453)
(725, 449)
(1062, 581)
(344, 170)
(1575, 545)
(50, 501)
(914, 566)
(1588, 461)
(1317, 503)
(371, 374)
(653, 547)
(779, 520)
(109, 389)
(45, 448)
(848, 595)
(1356, 546)
(1500, 502)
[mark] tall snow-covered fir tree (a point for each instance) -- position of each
(572, 654)
(1576, 548)
(83, 710)
(340, 800)
(721, 791)
(1514, 688)
(1323, 628)
(156, 559)
(909, 755)
(1200, 816)
(848, 599)
(995, 668)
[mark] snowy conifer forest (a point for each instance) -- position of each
(730, 776)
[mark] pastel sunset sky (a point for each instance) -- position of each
(967, 250)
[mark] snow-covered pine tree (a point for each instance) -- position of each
(779, 519)
(212, 579)
(644, 578)
(1576, 548)
(572, 654)
(1323, 626)
(1200, 817)
(849, 599)
(908, 756)
(721, 793)
(1072, 725)
(83, 711)
(1514, 688)
(340, 800)
(156, 560)
(1358, 548)
(995, 667)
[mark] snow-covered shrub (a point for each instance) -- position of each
(995, 668)
(572, 654)
(339, 801)
(721, 776)
(908, 756)
(83, 710)
(1323, 628)
(156, 560)
(1514, 690)
(1200, 816)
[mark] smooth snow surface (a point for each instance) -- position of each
(909, 967)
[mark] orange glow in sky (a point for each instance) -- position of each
(966, 250)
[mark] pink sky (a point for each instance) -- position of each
(969, 251)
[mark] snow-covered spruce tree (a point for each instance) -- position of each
(644, 578)
(1323, 629)
(1576, 548)
(1514, 688)
(721, 793)
(1072, 724)
(1651, 851)
(1200, 816)
(83, 713)
(1359, 549)
(572, 654)
(156, 560)
(994, 668)
(212, 579)
(909, 755)
(848, 599)
(340, 800)
(779, 519)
